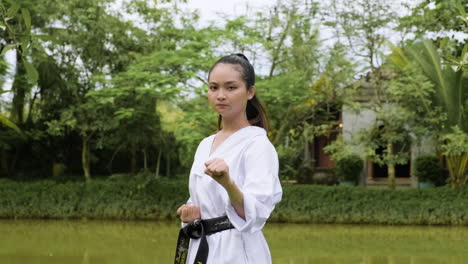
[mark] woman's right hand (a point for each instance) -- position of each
(188, 213)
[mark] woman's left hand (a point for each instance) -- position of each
(219, 171)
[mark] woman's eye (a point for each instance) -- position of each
(231, 87)
(213, 88)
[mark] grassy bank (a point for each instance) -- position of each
(354, 205)
(119, 197)
(129, 197)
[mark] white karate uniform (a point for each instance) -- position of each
(253, 166)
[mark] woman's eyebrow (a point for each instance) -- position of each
(228, 82)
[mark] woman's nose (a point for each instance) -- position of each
(221, 95)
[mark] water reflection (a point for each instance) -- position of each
(86, 242)
(367, 244)
(89, 242)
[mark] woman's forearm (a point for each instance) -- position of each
(236, 197)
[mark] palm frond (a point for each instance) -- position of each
(4, 120)
(448, 83)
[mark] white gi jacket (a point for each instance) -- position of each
(253, 166)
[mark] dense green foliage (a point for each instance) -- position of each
(427, 168)
(103, 87)
(98, 78)
(349, 167)
(142, 197)
(357, 205)
(117, 197)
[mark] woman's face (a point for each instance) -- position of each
(227, 92)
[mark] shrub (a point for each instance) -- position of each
(117, 197)
(290, 162)
(349, 167)
(343, 205)
(321, 176)
(427, 168)
(128, 197)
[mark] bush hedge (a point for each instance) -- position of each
(118, 197)
(360, 205)
(427, 169)
(349, 167)
(130, 198)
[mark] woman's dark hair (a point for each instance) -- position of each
(256, 113)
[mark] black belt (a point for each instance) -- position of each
(195, 230)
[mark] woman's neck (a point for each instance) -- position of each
(232, 125)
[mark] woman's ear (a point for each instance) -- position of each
(251, 92)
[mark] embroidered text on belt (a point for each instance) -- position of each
(199, 229)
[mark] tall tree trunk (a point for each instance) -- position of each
(14, 160)
(168, 166)
(4, 162)
(391, 168)
(277, 49)
(457, 165)
(20, 88)
(145, 161)
(307, 156)
(85, 158)
(109, 165)
(158, 163)
(133, 161)
(31, 106)
(391, 176)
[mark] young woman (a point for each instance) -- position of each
(234, 183)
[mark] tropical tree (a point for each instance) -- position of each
(439, 20)
(454, 146)
(6, 121)
(91, 119)
(400, 100)
(451, 93)
(451, 96)
(363, 26)
(402, 96)
(87, 44)
(15, 36)
(93, 43)
(15, 22)
(292, 64)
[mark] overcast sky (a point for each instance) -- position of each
(209, 8)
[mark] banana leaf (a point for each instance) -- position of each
(451, 87)
(4, 120)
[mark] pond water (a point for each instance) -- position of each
(86, 242)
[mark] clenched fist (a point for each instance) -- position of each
(188, 213)
(218, 170)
